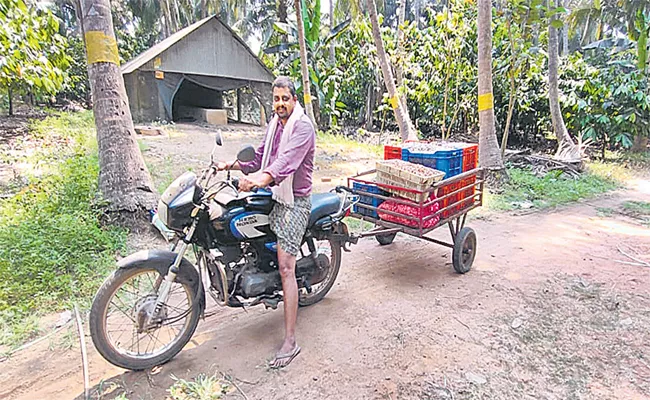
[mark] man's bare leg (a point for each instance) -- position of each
(289, 349)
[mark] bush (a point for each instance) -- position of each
(52, 246)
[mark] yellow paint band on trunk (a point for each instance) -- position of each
(307, 98)
(101, 48)
(485, 102)
(394, 102)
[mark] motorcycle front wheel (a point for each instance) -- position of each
(118, 313)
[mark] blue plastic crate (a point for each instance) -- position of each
(364, 199)
(448, 161)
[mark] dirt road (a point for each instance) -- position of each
(551, 310)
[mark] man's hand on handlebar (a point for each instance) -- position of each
(247, 185)
(251, 184)
(222, 166)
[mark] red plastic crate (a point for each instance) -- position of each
(414, 210)
(445, 190)
(467, 193)
(470, 157)
(392, 152)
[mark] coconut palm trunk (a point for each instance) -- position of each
(407, 132)
(489, 154)
(399, 65)
(124, 180)
(567, 149)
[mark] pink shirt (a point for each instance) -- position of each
(297, 159)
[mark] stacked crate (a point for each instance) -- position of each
(397, 175)
(368, 200)
(470, 161)
(450, 158)
(402, 174)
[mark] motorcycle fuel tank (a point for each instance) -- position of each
(249, 225)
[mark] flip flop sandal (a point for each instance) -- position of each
(282, 360)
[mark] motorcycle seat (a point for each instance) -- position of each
(323, 204)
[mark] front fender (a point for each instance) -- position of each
(161, 260)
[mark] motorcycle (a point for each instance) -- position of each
(148, 309)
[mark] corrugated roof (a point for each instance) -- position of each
(158, 48)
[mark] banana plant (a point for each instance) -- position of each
(321, 75)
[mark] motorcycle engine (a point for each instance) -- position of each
(260, 274)
(251, 271)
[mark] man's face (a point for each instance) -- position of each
(283, 102)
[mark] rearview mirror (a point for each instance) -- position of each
(218, 139)
(247, 154)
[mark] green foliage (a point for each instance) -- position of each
(203, 387)
(33, 53)
(76, 86)
(52, 246)
(610, 103)
(550, 190)
(284, 57)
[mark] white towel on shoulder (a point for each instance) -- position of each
(282, 193)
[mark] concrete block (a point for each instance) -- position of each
(216, 117)
(148, 130)
(211, 116)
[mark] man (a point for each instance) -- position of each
(286, 161)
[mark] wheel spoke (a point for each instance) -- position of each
(135, 295)
(123, 312)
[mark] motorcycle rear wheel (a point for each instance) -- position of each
(320, 290)
(116, 305)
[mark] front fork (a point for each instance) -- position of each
(166, 285)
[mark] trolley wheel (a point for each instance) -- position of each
(386, 238)
(464, 250)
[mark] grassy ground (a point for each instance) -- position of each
(639, 210)
(331, 142)
(528, 191)
(52, 248)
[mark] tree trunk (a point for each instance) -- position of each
(167, 29)
(513, 91)
(399, 65)
(407, 132)
(332, 53)
(567, 150)
(309, 108)
(564, 35)
(640, 144)
(11, 101)
(204, 9)
(283, 15)
(370, 102)
(417, 13)
(489, 155)
(511, 108)
(124, 180)
(332, 62)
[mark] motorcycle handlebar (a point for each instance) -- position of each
(235, 182)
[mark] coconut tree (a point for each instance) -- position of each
(489, 154)
(407, 132)
(124, 180)
(567, 149)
